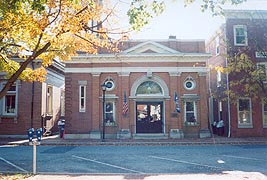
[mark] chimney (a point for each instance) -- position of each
(172, 37)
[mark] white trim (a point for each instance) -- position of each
(126, 70)
(80, 98)
(245, 34)
(4, 100)
(142, 47)
(263, 114)
(140, 57)
(245, 14)
(195, 110)
(245, 125)
(156, 79)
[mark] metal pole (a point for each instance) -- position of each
(34, 158)
(103, 135)
(32, 100)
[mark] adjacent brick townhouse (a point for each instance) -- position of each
(36, 105)
(147, 83)
(244, 31)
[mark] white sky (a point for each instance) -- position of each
(187, 22)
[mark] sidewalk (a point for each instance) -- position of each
(55, 140)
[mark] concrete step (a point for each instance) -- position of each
(150, 136)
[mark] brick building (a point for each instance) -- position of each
(245, 32)
(142, 82)
(18, 113)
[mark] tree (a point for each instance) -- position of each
(251, 81)
(49, 29)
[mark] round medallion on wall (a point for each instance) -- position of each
(189, 83)
(109, 85)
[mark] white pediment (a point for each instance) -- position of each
(149, 47)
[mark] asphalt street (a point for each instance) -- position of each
(208, 159)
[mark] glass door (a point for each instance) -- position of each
(149, 117)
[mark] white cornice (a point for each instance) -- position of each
(159, 48)
(245, 14)
(147, 57)
(127, 70)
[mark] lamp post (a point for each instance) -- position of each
(104, 88)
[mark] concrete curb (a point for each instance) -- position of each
(55, 141)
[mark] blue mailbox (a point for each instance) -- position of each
(30, 134)
(39, 132)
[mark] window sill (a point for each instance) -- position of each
(191, 124)
(241, 45)
(7, 116)
(113, 124)
(244, 126)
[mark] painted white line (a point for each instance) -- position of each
(185, 162)
(240, 157)
(106, 164)
(10, 163)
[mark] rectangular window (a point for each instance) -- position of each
(217, 45)
(262, 68)
(240, 35)
(10, 101)
(244, 113)
(190, 113)
(219, 78)
(82, 98)
(110, 114)
(49, 109)
(264, 113)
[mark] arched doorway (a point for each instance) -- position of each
(150, 95)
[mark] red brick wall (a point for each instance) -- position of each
(23, 122)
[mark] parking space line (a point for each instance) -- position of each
(185, 162)
(15, 166)
(106, 164)
(240, 157)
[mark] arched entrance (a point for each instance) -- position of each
(150, 95)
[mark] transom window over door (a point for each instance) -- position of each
(149, 88)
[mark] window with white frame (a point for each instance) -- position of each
(82, 96)
(217, 45)
(219, 78)
(240, 35)
(244, 112)
(10, 100)
(264, 113)
(110, 113)
(262, 68)
(190, 112)
(262, 71)
(49, 96)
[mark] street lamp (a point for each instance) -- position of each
(104, 88)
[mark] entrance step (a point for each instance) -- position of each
(150, 136)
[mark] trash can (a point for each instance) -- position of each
(220, 128)
(39, 132)
(30, 134)
(61, 127)
(214, 127)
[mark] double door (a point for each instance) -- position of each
(149, 117)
